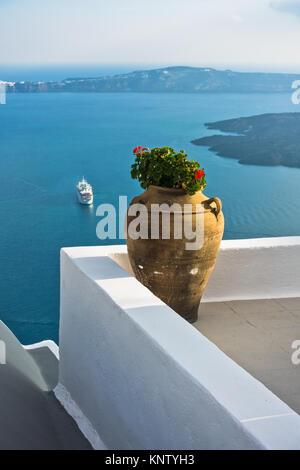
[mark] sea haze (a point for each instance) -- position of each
(18, 73)
(49, 141)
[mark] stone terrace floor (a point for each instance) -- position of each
(258, 334)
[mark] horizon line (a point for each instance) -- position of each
(244, 68)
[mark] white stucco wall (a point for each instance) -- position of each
(263, 268)
(146, 379)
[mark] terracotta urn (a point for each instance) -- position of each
(175, 268)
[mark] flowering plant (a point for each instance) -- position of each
(167, 168)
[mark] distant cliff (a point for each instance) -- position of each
(167, 80)
(267, 139)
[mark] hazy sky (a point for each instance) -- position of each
(258, 33)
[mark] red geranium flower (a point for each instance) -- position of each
(199, 174)
(139, 149)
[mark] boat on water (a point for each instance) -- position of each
(85, 192)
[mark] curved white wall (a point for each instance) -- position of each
(146, 379)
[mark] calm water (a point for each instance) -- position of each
(48, 141)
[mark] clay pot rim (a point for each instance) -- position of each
(182, 192)
(172, 190)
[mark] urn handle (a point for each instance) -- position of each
(218, 204)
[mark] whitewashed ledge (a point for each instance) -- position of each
(262, 268)
(135, 375)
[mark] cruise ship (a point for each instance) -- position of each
(85, 192)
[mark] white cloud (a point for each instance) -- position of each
(237, 19)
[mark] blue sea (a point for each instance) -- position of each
(49, 141)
